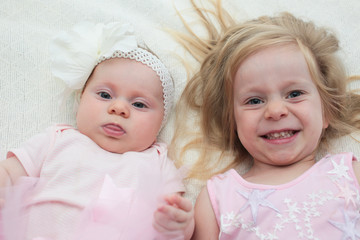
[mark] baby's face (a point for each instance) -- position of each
(278, 109)
(121, 108)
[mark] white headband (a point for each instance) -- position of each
(77, 52)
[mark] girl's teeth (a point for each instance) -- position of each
(279, 135)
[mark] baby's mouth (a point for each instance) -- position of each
(113, 129)
(279, 135)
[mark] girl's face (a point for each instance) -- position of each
(121, 108)
(278, 111)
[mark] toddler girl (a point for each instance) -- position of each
(273, 92)
(108, 178)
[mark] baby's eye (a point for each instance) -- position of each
(104, 95)
(139, 105)
(295, 94)
(254, 101)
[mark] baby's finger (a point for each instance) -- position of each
(180, 202)
(166, 233)
(163, 224)
(174, 214)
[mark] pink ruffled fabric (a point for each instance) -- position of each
(124, 213)
(13, 219)
(117, 213)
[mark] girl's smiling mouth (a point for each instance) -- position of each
(280, 135)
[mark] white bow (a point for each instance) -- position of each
(75, 53)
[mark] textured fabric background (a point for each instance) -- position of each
(29, 95)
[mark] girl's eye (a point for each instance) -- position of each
(295, 94)
(254, 101)
(104, 95)
(139, 105)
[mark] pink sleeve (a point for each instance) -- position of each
(33, 152)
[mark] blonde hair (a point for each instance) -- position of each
(209, 92)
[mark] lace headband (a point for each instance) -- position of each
(77, 52)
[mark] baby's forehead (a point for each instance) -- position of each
(118, 61)
(129, 68)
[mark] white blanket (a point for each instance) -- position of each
(29, 95)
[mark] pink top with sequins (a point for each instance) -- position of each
(323, 203)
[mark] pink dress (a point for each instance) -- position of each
(323, 203)
(77, 190)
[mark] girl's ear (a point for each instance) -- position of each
(324, 117)
(325, 122)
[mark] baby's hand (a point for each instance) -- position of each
(175, 220)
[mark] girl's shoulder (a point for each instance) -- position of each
(356, 168)
(342, 165)
(224, 182)
(345, 158)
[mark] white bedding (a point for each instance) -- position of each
(29, 95)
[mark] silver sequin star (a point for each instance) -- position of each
(257, 198)
(348, 227)
(340, 170)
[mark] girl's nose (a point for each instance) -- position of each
(119, 107)
(276, 110)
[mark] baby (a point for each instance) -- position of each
(108, 177)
